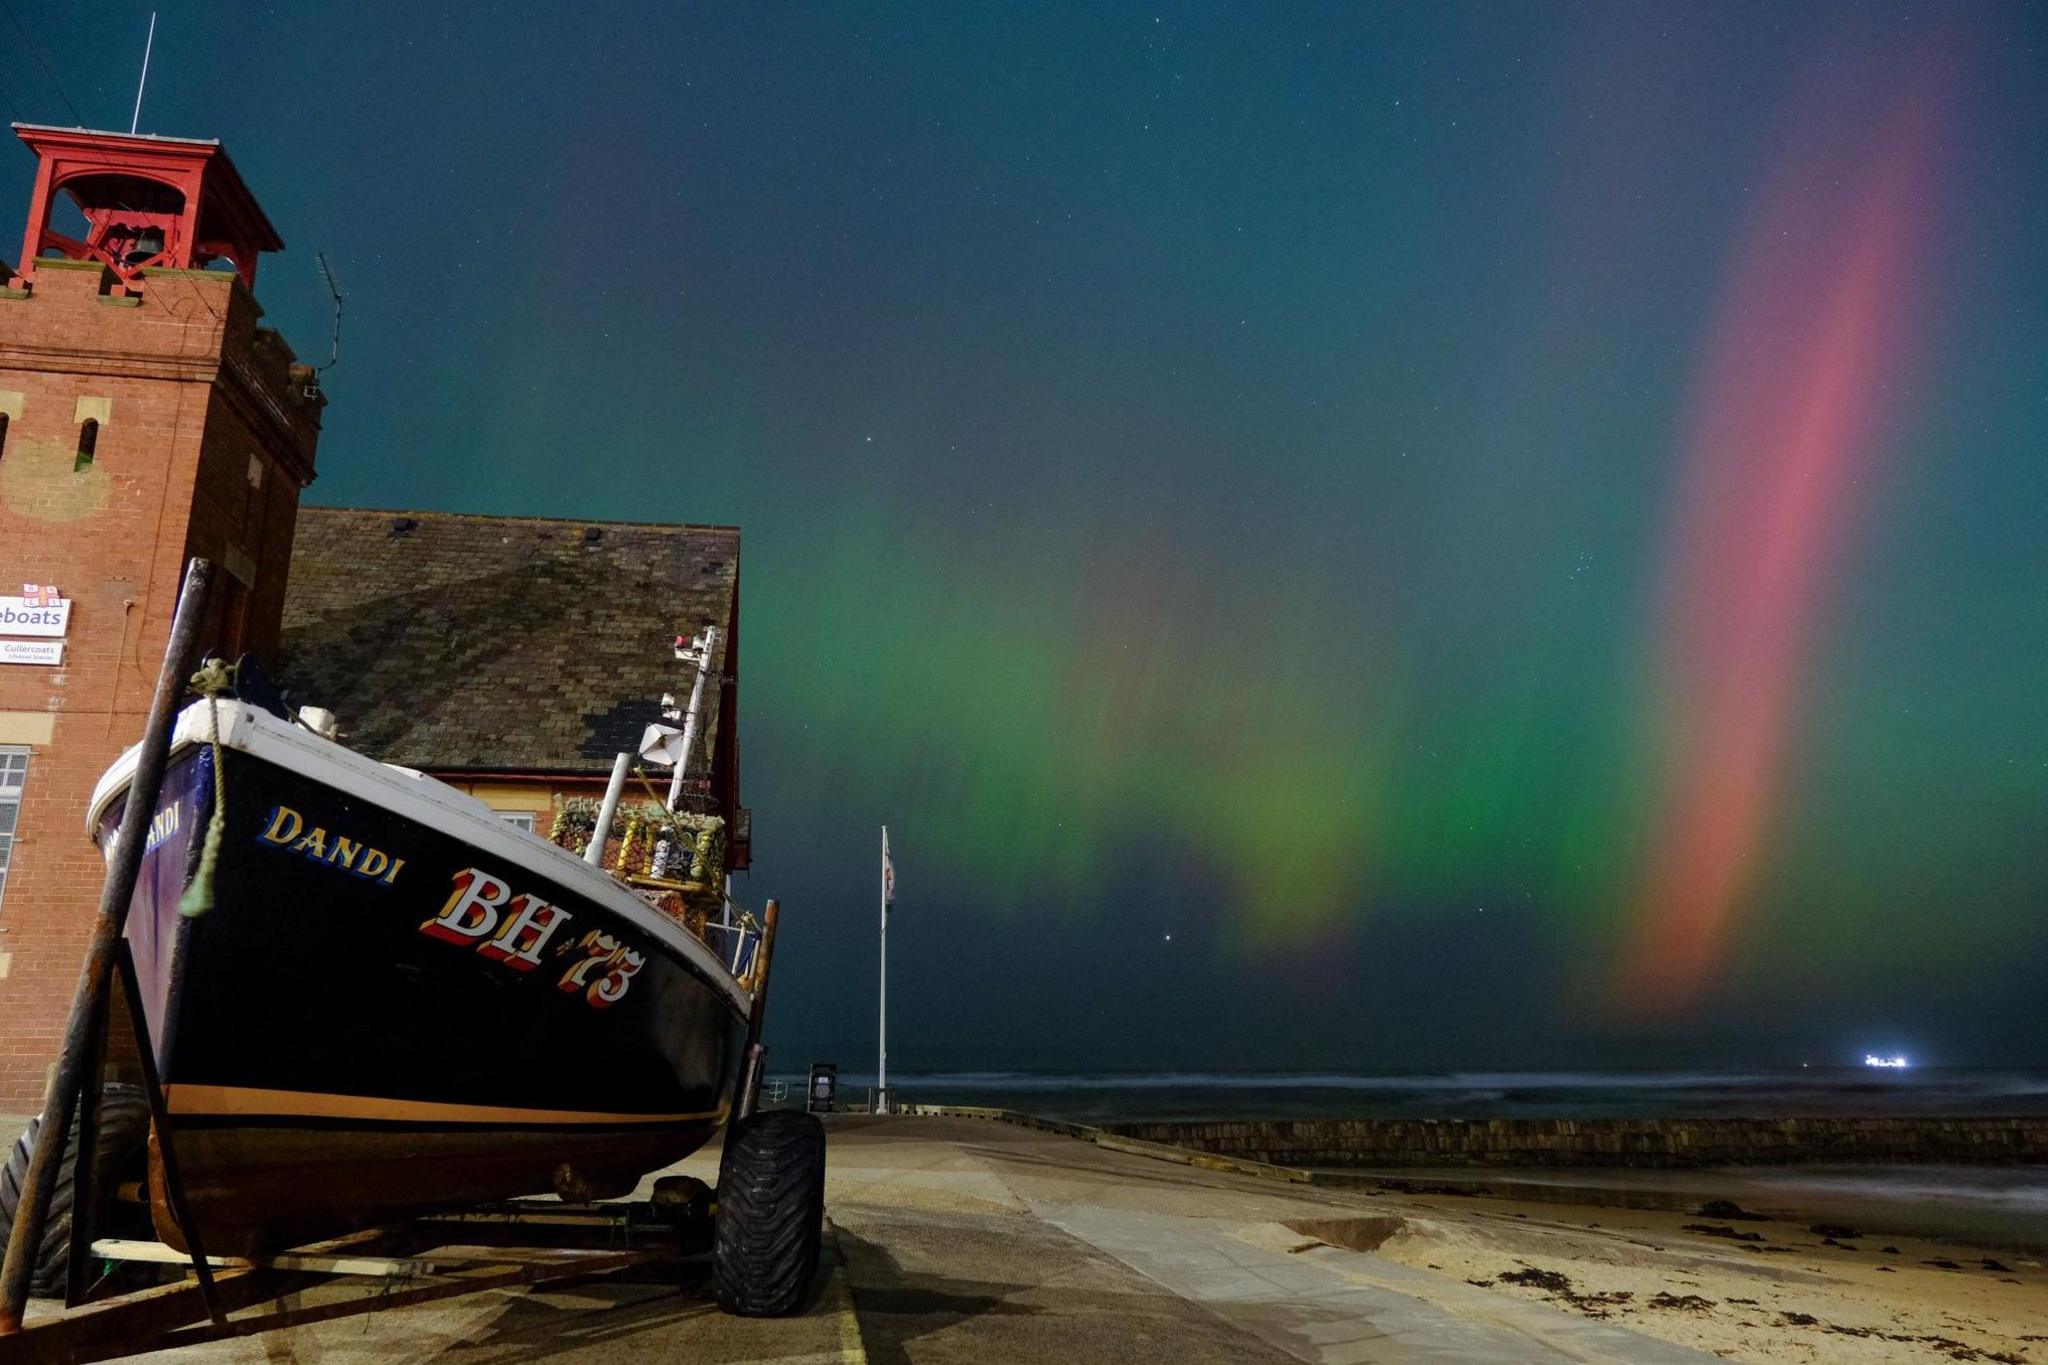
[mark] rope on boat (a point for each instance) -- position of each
(212, 681)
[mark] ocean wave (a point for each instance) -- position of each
(2020, 1189)
(1121, 1096)
(1522, 1081)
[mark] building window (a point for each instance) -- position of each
(13, 770)
(88, 442)
(3, 435)
(518, 819)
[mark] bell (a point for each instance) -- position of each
(149, 243)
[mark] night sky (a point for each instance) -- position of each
(1513, 533)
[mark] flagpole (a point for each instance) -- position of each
(882, 1022)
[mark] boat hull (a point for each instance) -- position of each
(380, 1013)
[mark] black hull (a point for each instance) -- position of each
(378, 1014)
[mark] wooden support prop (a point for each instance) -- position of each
(85, 1194)
(85, 1198)
(93, 979)
(166, 1144)
(389, 1267)
(436, 1263)
(755, 1058)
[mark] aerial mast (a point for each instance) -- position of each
(135, 120)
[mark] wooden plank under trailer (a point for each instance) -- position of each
(497, 1246)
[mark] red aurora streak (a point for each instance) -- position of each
(1789, 417)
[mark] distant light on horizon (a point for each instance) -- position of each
(1888, 1063)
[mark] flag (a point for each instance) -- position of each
(40, 595)
(888, 871)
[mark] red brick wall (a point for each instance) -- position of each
(193, 389)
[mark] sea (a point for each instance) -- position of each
(1110, 1097)
(1989, 1206)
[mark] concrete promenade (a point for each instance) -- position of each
(964, 1240)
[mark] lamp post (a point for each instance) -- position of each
(882, 1019)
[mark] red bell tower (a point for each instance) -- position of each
(147, 201)
(146, 416)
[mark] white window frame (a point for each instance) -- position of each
(518, 819)
(13, 778)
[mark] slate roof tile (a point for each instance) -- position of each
(449, 641)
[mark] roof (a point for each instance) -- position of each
(83, 131)
(499, 644)
(226, 190)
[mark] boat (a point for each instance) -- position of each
(366, 996)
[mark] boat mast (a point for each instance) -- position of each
(602, 830)
(697, 652)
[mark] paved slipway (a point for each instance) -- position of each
(964, 1240)
(967, 1240)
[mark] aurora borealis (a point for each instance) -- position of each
(1792, 412)
(1514, 533)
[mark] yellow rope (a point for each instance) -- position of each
(626, 842)
(212, 681)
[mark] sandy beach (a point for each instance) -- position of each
(1744, 1289)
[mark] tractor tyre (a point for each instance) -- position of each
(770, 1220)
(124, 1128)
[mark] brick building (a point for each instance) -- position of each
(145, 416)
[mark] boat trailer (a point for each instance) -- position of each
(498, 1246)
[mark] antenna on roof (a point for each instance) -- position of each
(328, 275)
(135, 121)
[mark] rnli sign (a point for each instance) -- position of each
(38, 611)
(41, 612)
(49, 652)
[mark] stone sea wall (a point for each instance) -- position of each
(1381, 1143)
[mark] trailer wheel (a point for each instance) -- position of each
(124, 1127)
(771, 1214)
